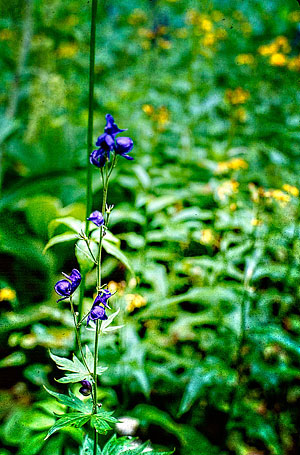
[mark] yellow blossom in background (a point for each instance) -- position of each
(192, 17)
(146, 45)
(207, 237)
(240, 114)
(209, 39)
(280, 196)
(227, 188)
(294, 16)
(233, 207)
(237, 96)
(238, 15)
(7, 294)
(283, 44)
(268, 49)
(294, 63)
(134, 301)
(256, 222)
(148, 109)
(119, 287)
(67, 50)
(181, 33)
(255, 192)
(205, 24)
(278, 59)
(164, 43)
(293, 190)
(162, 117)
(244, 59)
(137, 17)
(6, 34)
(233, 164)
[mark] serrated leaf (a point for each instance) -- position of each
(101, 423)
(88, 447)
(72, 401)
(70, 365)
(72, 419)
(105, 324)
(110, 248)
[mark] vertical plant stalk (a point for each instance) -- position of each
(105, 177)
(77, 334)
(89, 136)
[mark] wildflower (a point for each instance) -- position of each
(114, 287)
(137, 17)
(99, 305)
(256, 222)
(278, 59)
(240, 114)
(294, 16)
(233, 164)
(86, 388)
(283, 44)
(148, 109)
(207, 237)
(163, 116)
(209, 39)
(294, 64)
(67, 287)
(107, 143)
(123, 146)
(96, 218)
(278, 195)
(293, 190)
(244, 59)
(268, 49)
(7, 294)
(164, 43)
(237, 96)
(227, 188)
(134, 301)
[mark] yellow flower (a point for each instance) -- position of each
(148, 109)
(240, 114)
(113, 287)
(233, 164)
(283, 44)
(163, 116)
(256, 222)
(278, 59)
(207, 237)
(237, 96)
(233, 206)
(164, 43)
(67, 50)
(294, 63)
(209, 39)
(134, 301)
(268, 49)
(293, 190)
(6, 34)
(205, 24)
(244, 59)
(137, 17)
(7, 294)
(146, 45)
(278, 195)
(227, 188)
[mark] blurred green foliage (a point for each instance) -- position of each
(207, 216)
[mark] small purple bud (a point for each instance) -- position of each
(86, 388)
(96, 218)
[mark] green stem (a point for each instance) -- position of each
(77, 334)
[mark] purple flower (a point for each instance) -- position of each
(96, 218)
(86, 388)
(98, 310)
(106, 143)
(123, 146)
(66, 287)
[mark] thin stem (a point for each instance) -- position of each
(78, 336)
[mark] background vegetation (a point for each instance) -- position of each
(207, 215)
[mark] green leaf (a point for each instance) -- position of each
(72, 419)
(110, 248)
(72, 223)
(88, 447)
(72, 401)
(101, 421)
(62, 238)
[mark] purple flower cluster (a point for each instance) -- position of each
(67, 287)
(99, 305)
(108, 143)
